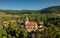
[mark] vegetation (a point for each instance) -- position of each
(49, 10)
(51, 21)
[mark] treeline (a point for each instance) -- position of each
(49, 10)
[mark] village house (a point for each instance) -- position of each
(40, 26)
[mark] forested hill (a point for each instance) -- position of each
(49, 10)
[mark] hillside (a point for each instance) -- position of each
(49, 10)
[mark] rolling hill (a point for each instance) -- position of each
(48, 10)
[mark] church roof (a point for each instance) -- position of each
(32, 23)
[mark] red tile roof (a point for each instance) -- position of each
(32, 23)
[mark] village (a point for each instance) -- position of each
(31, 27)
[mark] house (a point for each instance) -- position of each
(40, 26)
(31, 26)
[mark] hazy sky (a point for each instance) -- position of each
(27, 4)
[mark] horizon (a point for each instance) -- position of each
(27, 4)
(28, 9)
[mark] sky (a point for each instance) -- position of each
(27, 4)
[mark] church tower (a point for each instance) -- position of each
(26, 20)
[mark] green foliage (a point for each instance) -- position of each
(13, 30)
